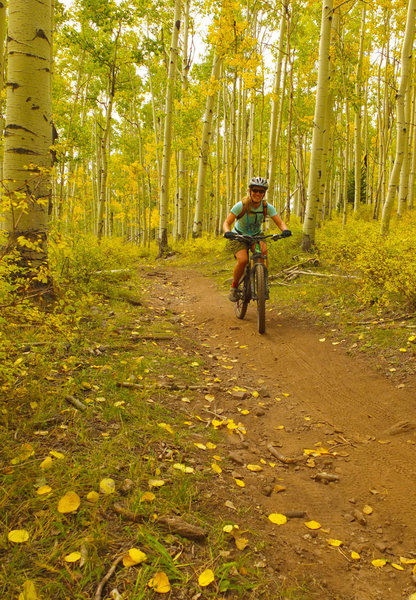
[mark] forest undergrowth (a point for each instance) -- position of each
(100, 475)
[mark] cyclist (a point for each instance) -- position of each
(250, 214)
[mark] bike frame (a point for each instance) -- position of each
(253, 277)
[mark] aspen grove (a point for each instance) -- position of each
(159, 113)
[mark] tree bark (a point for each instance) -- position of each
(28, 131)
(167, 137)
(204, 152)
(402, 125)
(315, 168)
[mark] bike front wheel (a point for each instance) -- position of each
(260, 288)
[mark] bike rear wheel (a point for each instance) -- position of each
(260, 288)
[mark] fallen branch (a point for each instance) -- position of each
(174, 525)
(280, 456)
(383, 321)
(75, 402)
(328, 477)
(107, 576)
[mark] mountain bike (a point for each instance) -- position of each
(254, 283)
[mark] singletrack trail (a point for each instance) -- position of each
(312, 396)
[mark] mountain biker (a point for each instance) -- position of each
(250, 214)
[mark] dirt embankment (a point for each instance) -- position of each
(357, 477)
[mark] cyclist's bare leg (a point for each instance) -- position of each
(242, 260)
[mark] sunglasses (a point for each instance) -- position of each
(258, 191)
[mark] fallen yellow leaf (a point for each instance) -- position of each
(93, 497)
(240, 542)
(166, 427)
(155, 483)
(107, 486)
(72, 557)
(134, 557)
(240, 483)
(29, 591)
(46, 464)
(277, 518)
(56, 454)
(367, 510)
(160, 583)
(18, 536)
(398, 567)
(69, 503)
(206, 578)
(147, 497)
(216, 468)
(378, 562)
(355, 555)
(313, 525)
(335, 543)
(211, 446)
(44, 489)
(408, 561)
(254, 468)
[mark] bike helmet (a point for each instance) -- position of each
(258, 182)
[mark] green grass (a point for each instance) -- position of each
(83, 352)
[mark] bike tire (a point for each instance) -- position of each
(260, 286)
(240, 307)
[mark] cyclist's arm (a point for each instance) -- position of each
(228, 223)
(279, 222)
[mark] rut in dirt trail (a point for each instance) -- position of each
(354, 423)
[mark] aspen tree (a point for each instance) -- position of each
(28, 131)
(274, 130)
(357, 120)
(205, 146)
(3, 11)
(315, 167)
(167, 136)
(105, 139)
(402, 125)
(182, 191)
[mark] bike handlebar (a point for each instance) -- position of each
(256, 238)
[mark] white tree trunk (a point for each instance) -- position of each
(402, 125)
(204, 152)
(167, 137)
(28, 129)
(315, 167)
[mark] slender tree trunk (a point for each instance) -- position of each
(358, 108)
(3, 15)
(315, 168)
(204, 152)
(274, 131)
(167, 137)
(182, 191)
(28, 131)
(412, 150)
(402, 125)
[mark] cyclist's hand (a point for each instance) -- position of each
(286, 233)
(229, 235)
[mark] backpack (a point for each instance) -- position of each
(245, 206)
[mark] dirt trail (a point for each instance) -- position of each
(312, 396)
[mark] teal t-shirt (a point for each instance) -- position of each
(251, 222)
